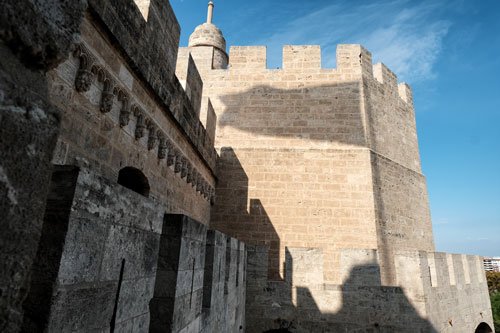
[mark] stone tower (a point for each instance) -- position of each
(207, 36)
(311, 214)
(321, 167)
(331, 155)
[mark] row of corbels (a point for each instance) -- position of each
(88, 71)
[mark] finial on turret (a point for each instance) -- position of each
(210, 12)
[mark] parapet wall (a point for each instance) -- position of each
(436, 292)
(452, 288)
(111, 259)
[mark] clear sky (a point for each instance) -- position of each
(447, 50)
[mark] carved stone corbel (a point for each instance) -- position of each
(184, 170)
(206, 189)
(162, 148)
(140, 127)
(107, 92)
(194, 177)
(189, 177)
(152, 135)
(84, 76)
(125, 110)
(178, 162)
(199, 184)
(170, 154)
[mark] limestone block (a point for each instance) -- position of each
(301, 57)
(354, 60)
(247, 57)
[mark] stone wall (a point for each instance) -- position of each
(114, 115)
(96, 261)
(34, 37)
(110, 258)
(402, 210)
(451, 289)
(316, 145)
(420, 302)
(296, 197)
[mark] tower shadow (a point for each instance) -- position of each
(360, 304)
(243, 213)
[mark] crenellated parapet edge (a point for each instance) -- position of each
(414, 269)
(437, 292)
(353, 62)
(439, 270)
(91, 69)
(189, 77)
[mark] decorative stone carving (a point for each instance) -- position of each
(153, 136)
(107, 92)
(184, 167)
(189, 177)
(125, 110)
(140, 127)
(89, 70)
(199, 184)
(205, 190)
(170, 154)
(84, 76)
(178, 162)
(162, 149)
(194, 177)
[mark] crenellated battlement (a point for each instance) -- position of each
(303, 57)
(190, 79)
(440, 270)
(247, 57)
(436, 292)
(353, 63)
(384, 75)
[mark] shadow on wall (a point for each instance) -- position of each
(322, 116)
(361, 304)
(322, 113)
(299, 301)
(244, 213)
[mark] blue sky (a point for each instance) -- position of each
(447, 50)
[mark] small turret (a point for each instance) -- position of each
(207, 34)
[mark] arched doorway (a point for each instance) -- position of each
(134, 180)
(483, 328)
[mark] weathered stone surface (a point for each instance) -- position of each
(34, 37)
(40, 34)
(96, 261)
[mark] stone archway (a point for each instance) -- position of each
(134, 180)
(483, 328)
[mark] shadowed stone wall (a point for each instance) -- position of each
(35, 37)
(96, 261)
(449, 295)
(110, 259)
